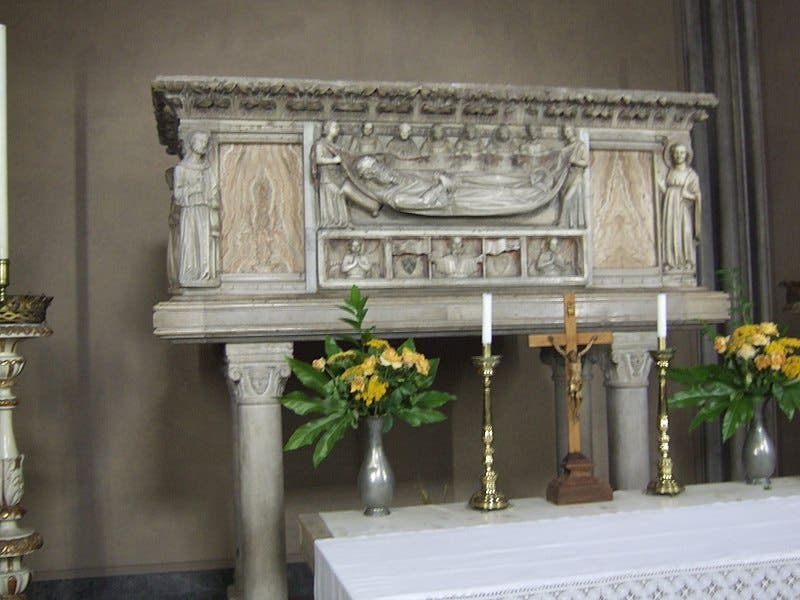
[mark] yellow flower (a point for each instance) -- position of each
(762, 362)
(358, 383)
(790, 342)
(365, 368)
(377, 343)
(791, 368)
(416, 359)
(319, 364)
(759, 339)
(390, 358)
(340, 355)
(376, 389)
(746, 351)
(768, 328)
(721, 343)
(777, 360)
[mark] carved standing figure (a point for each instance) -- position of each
(195, 217)
(325, 161)
(681, 210)
(572, 201)
(469, 145)
(574, 372)
(437, 147)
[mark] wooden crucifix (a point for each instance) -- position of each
(577, 482)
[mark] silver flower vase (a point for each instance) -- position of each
(375, 478)
(758, 454)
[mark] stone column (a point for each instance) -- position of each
(627, 372)
(556, 362)
(257, 374)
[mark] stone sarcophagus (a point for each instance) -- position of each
(287, 192)
(296, 187)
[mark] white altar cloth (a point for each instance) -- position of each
(741, 549)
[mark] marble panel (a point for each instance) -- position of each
(262, 208)
(623, 212)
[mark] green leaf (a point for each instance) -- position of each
(709, 412)
(301, 403)
(308, 375)
(698, 395)
(329, 439)
(409, 343)
(388, 423)
(307, 433)
(787, 406)
(729, 427)
(331, 347)
(420, 416)
(432, 399)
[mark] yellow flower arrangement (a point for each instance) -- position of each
(757, 363)
(372, 378)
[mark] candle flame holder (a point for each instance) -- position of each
(488, 497)
(664, 484)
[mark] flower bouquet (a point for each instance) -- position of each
(361, 376)
(757, 363)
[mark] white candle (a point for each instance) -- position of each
(486, 333)
(3, 149)
(662, 315)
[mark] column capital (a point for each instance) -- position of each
(257, 372)
(628, 363)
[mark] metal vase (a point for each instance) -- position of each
(758, 454)
(375, 478)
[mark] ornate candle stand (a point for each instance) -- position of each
(21, 318)
(488, 497)
(664, 484)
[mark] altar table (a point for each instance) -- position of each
(715, 541)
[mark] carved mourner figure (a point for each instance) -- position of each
(550, 261)
(681, 210)
(355, 264)
(402, 146)
(469, 145)
(572, 201)
(532, 145)
(500, 144)
(325, 161)
(437, 147)
(194, 243)
(458, 263)
(367, 142)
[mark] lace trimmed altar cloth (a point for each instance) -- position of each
(740, 549)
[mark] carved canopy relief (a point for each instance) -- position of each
(262, 208)
(623, 209)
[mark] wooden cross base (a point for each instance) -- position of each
(577, 484)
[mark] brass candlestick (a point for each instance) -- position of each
(488, 497)
(664, 484)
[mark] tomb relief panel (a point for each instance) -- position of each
(262, 208)
(503, 257)
(410, 258)
(354, 259)
(457, 171)
(457, 258)
(623, 211)
(555, 257)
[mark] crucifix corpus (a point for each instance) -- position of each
(577, 483)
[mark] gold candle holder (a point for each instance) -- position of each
(664, 484)
(488, 497)
(3, 279)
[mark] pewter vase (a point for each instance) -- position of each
(375, 478)
(758, 454)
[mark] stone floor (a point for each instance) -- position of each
(195, 585)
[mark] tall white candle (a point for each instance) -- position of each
(486, 332)
(662, 315)
(3, 149)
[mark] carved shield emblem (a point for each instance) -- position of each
(409, 263)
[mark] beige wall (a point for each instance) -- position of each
(779, 22)
(127, 436)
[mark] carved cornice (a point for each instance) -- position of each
(175, 98)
